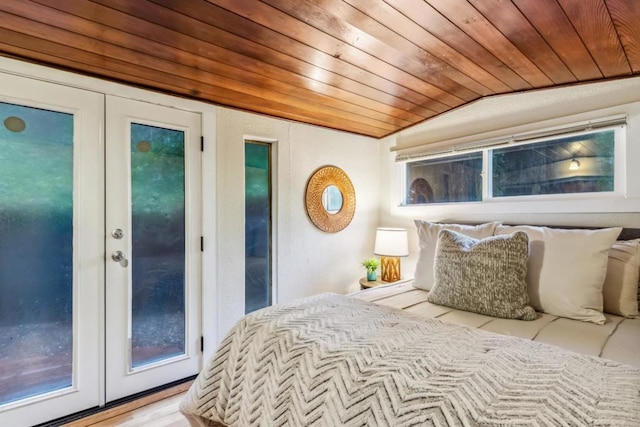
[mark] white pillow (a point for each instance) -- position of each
(566, 269)
(620, 290)
(427, 239)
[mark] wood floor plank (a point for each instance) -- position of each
(158, 409)
(162, 413)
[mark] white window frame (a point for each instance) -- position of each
(618, 169)
(595, 202)
(274, 143)
(404, 187)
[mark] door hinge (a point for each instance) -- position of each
(201, 243)
(202, 344)
(202, 143)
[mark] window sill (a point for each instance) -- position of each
(573, 203)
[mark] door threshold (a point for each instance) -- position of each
(120, 406)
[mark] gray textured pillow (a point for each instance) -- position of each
(484, 276)
(428, 237)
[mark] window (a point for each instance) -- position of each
(257, 225)
(561, 164)
(577, 164)
(445, 179)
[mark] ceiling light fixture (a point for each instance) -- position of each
(574, 165)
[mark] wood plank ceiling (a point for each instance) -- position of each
(369, 67)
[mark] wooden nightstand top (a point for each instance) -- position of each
(364, 283)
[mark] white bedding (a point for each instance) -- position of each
(618, 339)
(331, 360)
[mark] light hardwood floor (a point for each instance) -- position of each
(157, 410)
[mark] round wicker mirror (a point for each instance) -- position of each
(320, 181)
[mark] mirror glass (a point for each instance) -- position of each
(332, 199)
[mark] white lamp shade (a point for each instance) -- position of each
(391, 242)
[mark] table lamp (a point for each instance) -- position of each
(391, 243)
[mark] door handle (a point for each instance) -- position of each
(120, 258)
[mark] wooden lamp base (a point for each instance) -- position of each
(390, 269)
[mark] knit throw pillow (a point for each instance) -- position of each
(485, 276)
(423, 276)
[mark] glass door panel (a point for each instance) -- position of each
(36, 251)
(158, 244)
(51, 250)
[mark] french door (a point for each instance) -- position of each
(152, 246)
(97, 300)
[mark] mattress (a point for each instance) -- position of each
(618, 339)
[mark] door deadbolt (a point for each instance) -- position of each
(117, 233)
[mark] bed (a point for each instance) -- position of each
(392, 356)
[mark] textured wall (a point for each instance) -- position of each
(508, 115)
(308, 261)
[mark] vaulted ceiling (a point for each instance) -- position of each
(370, 67)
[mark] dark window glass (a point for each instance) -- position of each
(575, 164)
(36, 251)
(445, 179)
(158, 244)
(257, 225)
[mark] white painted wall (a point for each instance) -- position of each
(512, 114)
(308, 261)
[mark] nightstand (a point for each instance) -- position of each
(365, 284)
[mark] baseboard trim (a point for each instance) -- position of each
(120, 406)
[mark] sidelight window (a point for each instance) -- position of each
(257, 225)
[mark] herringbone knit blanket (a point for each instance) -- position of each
(332, 360)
